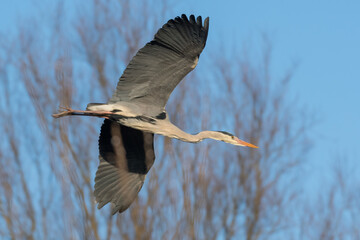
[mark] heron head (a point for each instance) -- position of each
(229, 138)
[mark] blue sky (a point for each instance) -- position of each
(322, 36)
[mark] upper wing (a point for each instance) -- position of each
(126, 155)
(157, 68)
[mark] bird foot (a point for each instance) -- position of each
(69, 111)
(66, 112)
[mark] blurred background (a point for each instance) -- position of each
(282, 75)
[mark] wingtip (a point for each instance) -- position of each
(184, 18)
(199, 21)
(192, 19)
(206, 24)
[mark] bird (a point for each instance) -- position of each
(136, 111)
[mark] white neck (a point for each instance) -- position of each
(168, 129)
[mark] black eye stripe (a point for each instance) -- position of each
(161, 116)
(226, 133)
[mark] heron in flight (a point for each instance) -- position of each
(136, 111)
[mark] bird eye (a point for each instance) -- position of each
(233, 137)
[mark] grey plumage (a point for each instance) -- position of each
(157, 68)
(136, 111)
(127, 154)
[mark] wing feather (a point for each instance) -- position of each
(161, 64)
(126, 155)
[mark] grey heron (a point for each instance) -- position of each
(136, 111)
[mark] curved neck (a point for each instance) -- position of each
(170, 130)
(166, 128)
(210, 134)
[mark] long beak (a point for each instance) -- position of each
(246, 144)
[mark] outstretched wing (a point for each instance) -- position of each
(157, 68)
(126, 155)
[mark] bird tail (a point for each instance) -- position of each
(96, 107)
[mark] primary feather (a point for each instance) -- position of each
(127, 154)
(161, 64)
